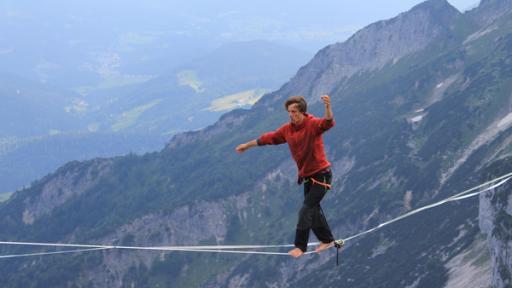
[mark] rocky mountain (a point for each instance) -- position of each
(23, 159)
(413, 127)
(375, 46)
(489, 11)
(496, 222)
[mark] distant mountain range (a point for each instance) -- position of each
(423, 110)
(30, 108)
(44, 126)
(194, 95)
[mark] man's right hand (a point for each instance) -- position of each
(243, 147)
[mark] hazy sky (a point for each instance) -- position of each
(41, 37)
(313, 24)
(321, 21)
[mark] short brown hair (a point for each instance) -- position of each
(302, 105)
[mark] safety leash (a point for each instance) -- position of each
(338, 244)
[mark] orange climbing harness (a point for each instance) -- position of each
(314, 181)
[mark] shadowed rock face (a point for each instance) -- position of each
(490, 10)
(60, 188)
(495, 220)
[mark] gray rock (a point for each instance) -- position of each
(373, 47)
(492, 212)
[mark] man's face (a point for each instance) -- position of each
(296, 116)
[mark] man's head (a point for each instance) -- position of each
(296, 107)
(299, 100)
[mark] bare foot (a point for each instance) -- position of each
(324, 246)
(295, 253)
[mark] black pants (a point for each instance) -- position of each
(311, 215)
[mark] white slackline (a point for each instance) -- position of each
(51, 253)
(242, 249)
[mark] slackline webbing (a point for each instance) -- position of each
(246, 249)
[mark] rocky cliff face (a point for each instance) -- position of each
(58, 189)
(496, 222)
(490, 10)
(374, 46)
(202, 221)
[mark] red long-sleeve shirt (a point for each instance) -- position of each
(305, 143)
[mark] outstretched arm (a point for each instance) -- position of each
(269, 138)
(243, 147)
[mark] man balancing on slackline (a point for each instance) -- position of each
(304, 137)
